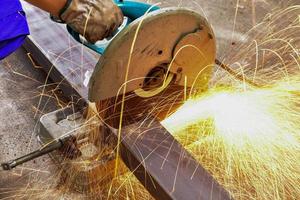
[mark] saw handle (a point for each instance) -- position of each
(132, 10)
(65, 145)
(31, 156)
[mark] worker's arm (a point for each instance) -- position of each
(51, 6)
(94, 19)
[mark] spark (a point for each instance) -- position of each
(250, 138)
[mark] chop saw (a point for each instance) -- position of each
(149, 67)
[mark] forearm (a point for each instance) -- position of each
(51, 6)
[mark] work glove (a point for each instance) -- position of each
(94, 19)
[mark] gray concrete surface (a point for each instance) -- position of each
(20, 91)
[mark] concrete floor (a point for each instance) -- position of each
(20, 89)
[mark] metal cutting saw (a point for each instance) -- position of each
(148, 68)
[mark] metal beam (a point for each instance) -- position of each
(66, 61)
(164, 167)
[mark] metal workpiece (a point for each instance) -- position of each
(64, 62)
(164, 167)
(160, 163)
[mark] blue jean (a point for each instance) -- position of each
(13, 26)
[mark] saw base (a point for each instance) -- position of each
(94, 169)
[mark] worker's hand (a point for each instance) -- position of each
(94, 19)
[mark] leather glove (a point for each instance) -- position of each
(94, 19)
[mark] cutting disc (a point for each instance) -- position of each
(167, 46)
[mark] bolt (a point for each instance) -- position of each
(179, 70)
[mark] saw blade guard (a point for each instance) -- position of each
(131, 10)
(164, 47)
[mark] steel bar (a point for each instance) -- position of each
(66, 61)
(164, 167)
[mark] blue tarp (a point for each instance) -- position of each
(13, 26)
